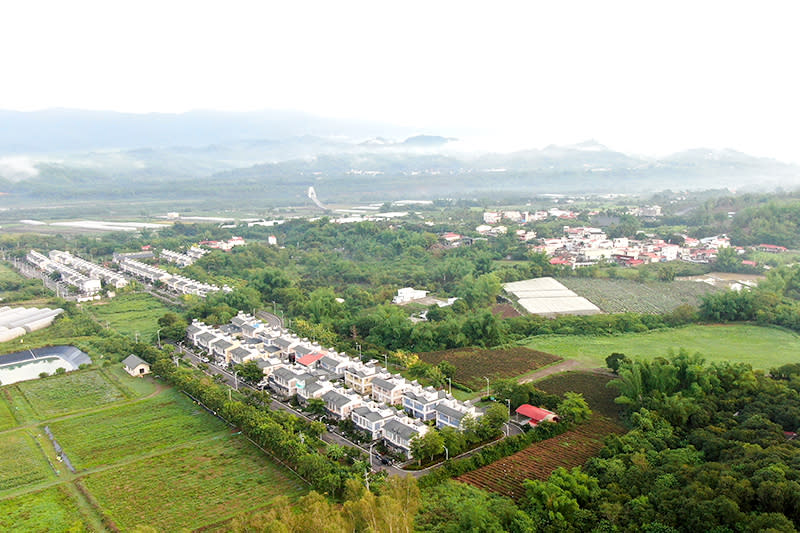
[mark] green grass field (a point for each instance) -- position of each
(191, 487)
(6, 417)
(72, 391)
(24, 463)
(761, 347)
(120, 432)
(48, 510)
(131, 313)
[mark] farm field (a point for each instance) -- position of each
(591, 385)
(191, 487)
(119, 432)
(51, 509)
(72, 391)
(761, 347)
(472, 364)
(6, 417)
(21, 462)
(131, 313)
(622, 295)
(540, 459)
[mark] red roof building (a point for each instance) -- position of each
(535, 415)
(310, 359)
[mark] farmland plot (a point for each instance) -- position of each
(57, 395)
(191, 487)
(593, 387)
(540, 459)
(472, 364)
(48, 510)
(622, 295)
(123, 431)
(7, 419)
(21, 461)
(131, 313)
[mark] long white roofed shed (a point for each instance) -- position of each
(548, 297)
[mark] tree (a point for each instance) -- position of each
(615, 360)
(427, 445)
(574, 408)
(316, 406)
(493, 419)
(250, 372)
(172, 326)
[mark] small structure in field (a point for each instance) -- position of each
(529, 414)
(136, 366)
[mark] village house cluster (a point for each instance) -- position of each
(183, 259)
(582, 246)
(383, 405)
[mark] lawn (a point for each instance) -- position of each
(130, 314)
(48, 510)
(473, 364)
(191, 487)
(21, 461)
(622, 295)
(57, 395)
(124, 431)
(761, 347)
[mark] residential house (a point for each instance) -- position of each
(135, 366)
(389, 389)
(340, 402)
(451, 412)
(398, 432)
(359, 376)
(420, 402)
(528, 414)
(371, 417)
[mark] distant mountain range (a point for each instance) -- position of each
(271, 158)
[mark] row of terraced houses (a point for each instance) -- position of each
(383, 405)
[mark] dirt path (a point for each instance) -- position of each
(563, 366)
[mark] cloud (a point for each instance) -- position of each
(18, 168)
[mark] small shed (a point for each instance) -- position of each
(535, 415)
(136, 366)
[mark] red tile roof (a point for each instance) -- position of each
(309, 359)
(536, 414)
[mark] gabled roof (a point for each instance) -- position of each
(336, 398)
(536, 414)
(192, 329)
(449, 411)
(132, 361)
(284, 373)
(399, 428)
(205, 337)
(310, 359)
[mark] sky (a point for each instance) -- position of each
(641, 77)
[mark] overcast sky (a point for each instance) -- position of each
(638, 76)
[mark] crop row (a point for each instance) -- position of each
(539, 460)
(472, 364)
(593, 387)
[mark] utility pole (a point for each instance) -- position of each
(487, 386)
(450, 382)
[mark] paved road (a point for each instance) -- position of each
(274, 321)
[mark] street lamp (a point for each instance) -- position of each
(450, 382)
(358, 346)
(236, 379)
(446, 453)
(370, 452)
(386, 360)
(509, 407)
(158, 334)
(487, 386)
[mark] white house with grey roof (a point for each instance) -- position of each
(340, 402)
(359, 376)
(335, 363)
(312, 386)
(283, 381)
(389, 389)
(371, 416)
(450, 413)
(420, 402)
(400, 430)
